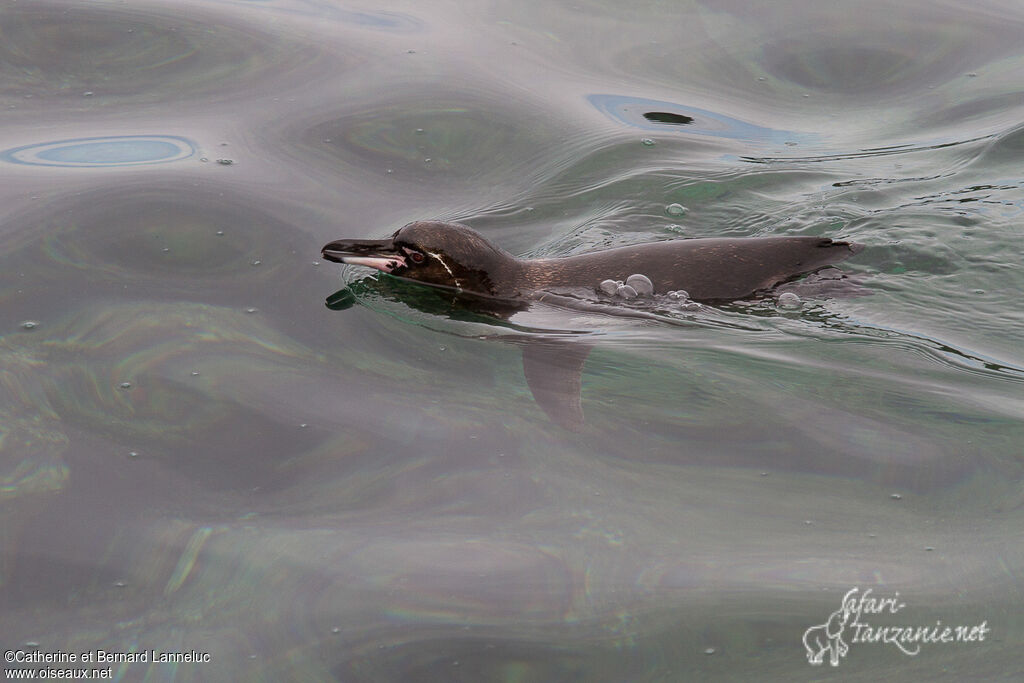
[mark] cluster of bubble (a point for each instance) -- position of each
(638, 285)
(682, 299)
(634, 286)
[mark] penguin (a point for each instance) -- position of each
(455, 257)
(713, 269)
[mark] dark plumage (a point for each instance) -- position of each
(453, 255)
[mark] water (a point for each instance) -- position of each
(197, 454)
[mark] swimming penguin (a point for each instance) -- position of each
(456, 257)
(709, 269)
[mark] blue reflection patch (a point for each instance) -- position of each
(631, 111)
(123, 150)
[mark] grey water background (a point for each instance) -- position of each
(196, 454)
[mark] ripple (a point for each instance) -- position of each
(668, 116)
(848, 69)
(32, 441)
(456, 139)
(125, 150)
(158, 234)
(908, 54)
(381, 21)
(889, 150)
(444, 137)
(122, 55)
(158, 346)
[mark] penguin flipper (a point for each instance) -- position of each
(554, 373)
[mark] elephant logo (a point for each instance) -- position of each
(828, 637)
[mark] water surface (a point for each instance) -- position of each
(197, 454)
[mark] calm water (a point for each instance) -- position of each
(197, 454)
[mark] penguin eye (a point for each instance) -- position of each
(416, 256)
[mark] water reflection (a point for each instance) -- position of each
(661, 116)
(126, 150)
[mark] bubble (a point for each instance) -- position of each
(626, 292)
(133, 454)
(29, 325)
(679, 295)
(252, 310)
(125, 385)
(675, 209)
(641, 284)
(257, 262)
(225, 162)
(647, 142)
(896, 496)
(790, 301)
(609, 287)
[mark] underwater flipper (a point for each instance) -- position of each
(554, 373)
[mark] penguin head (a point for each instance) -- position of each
(432, 252)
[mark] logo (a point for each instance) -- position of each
(849, 625)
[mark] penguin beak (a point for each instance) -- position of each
(379, 254)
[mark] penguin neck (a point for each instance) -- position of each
(541, 273)
(509, 277)
(499, 275)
